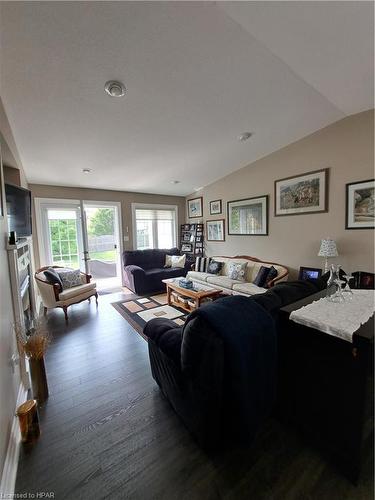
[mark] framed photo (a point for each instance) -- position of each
(248, 217)
(185, 227)
(186, 237)
(186, 247)
(302, 194)
(215, 230)
(312, 273)
(195, 207)
(216, 207)
(2, 188)
(198, 238)
(360, 205)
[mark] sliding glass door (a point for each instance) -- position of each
(81, 234)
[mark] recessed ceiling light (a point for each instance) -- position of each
(115, 89)
(175, 182)
(86, 170)
(245, 136)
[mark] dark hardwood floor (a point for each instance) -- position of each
(107, 432)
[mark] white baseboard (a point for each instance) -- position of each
(9, 474)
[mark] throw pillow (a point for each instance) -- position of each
(237, 271)
(262, 275)
(52, 277)
(214, 267)
(271, 275)
(70, 277)
(168, 261)
(201, 264)
(178, 261)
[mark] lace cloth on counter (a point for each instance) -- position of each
(337, 319)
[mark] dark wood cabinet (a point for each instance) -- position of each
(326, 388)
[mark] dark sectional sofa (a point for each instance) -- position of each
(144, 269)
(219, 371)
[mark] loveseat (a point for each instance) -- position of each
(219, 371)
(236, 287)
(144, 269)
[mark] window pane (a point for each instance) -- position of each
(144, 234)
(165, 233)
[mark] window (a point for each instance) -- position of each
(62, 229)
(155, 226)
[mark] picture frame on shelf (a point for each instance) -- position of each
(198, 238)
(248, 217)
(186, 237)
(187, 247)
(185, 227)
(216, 207)
(312, 273)
(360, 205)
(215, 230)
(195, 207)
(302, 194)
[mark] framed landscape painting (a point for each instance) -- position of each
(215, 230)
(302, 194)
(195, 207)
(248, 217)
(215, 207)
(360, 205)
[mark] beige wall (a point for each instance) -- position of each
(347, 148)
(126, 199)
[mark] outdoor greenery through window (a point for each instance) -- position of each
(63, 234)
(155, 228)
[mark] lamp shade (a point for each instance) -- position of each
(328, 248)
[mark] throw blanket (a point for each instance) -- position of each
(249, 337)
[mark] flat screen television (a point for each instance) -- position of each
(18, 202)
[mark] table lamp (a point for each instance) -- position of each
(328, 249)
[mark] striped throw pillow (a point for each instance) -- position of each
(201, 264)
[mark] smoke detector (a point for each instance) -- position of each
(115, 89)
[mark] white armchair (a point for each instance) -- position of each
(53, 297)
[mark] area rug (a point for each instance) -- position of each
(139, 310)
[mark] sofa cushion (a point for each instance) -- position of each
(271, 275)
(221, 281)
(76, 290)
(201, 264)
(69, 277)
(237, 271)
(214, 267)
(227, 260)
(52, 277)
(261, 277)
(163, 273)
(248, 288)
(195, 275)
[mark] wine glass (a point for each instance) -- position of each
(347, 291)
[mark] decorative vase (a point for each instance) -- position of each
(39, 379)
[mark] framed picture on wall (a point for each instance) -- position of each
(215, 230)
(360, 205)
(216, 207)
(195, 207)
(302, 194)
(187, 247)
(248, 217)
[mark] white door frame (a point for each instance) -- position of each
(118, 229)
(42, 227)
(40, 205)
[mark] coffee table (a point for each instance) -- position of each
(196, 294)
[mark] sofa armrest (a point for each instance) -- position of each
(135, 277)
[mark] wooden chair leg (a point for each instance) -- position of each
(89, 299)
(96, 298)
(65, 309)
(45, 311)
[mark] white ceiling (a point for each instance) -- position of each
(197, 73)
